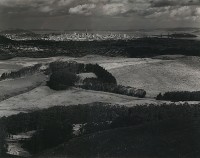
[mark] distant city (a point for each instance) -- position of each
(75, 36)
(53, 35)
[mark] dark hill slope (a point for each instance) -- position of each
(166, 139)
(145, 47)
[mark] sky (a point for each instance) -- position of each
(99, 14)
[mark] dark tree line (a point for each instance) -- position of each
(22, 72)
(97, 113)
(102, 74)
(180, 96)
(95, 84)
(74, 67)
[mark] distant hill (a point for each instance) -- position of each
(182, 29)
(16, 31)
(182, 35)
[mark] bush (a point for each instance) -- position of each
(62, 79)
(180, 96)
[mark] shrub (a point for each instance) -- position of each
(180, 96)
(62, 79)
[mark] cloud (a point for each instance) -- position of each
(174, 9)
(45, 9)
(115, 9)
(85, 9)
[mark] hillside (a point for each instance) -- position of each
(158, 75)
(138, 48)
(155, 140)
(15, 31)
(106, 130)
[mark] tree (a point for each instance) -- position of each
(62, 79)
(159, 97)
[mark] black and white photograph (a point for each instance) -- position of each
(99, 78)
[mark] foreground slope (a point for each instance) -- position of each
(154, 140)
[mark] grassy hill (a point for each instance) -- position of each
(158, 75)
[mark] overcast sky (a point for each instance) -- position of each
(99, 14)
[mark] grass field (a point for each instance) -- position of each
(13, 88)
(43, 97)
(161, 74)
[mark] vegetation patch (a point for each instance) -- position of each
(180, 96)
(64, 75)
(151, 131)
(21, 73)
(95, 84)
(62, 80)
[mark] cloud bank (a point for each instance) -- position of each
(174, 9)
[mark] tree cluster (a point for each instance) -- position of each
(22, 72)
(95, 84)
(180, 96)
(76, 68)
(62, 79)
(102, 74)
